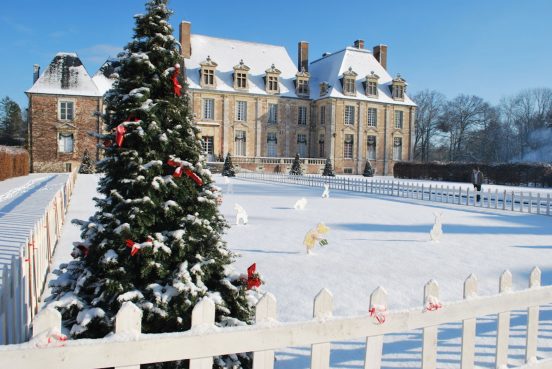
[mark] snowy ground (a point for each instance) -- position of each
(374, 240)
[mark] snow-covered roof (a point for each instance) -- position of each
(228, 53)
(65, 75)
(106, 75)
(330, 68)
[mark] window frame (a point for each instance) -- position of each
(372, 119)
(272, 144)
(302, 145)
(204, 103)
(399, 119)
(66, 102)
(348, 146)
(371, 143)
(241, 78)
(302, 112)
(240, 143)
(241, 111)
(349, 115)
(62, 142)
(323, 115)
(397, 148)
(272, 117)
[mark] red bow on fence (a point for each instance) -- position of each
(120, 134)
(253, 279)
(176, 86)
(378, 313)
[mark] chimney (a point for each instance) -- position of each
(303, 55)
(36, 72)
(185, 39)
(359, 44)
(380, 53)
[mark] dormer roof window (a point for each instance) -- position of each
(272, 85)
(348, 81)
(398, 88)
(241, 82)
(371, 84)
(207, 73)
(302, 83)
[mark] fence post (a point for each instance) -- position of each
(203, 314)
(521, 202)
(429, 193)
(459, 195)
(548, 204)
(512, 197)
(538, 203)
(530, 207)
(423, 190)
(532, 320)
(374, 344)
(128, 322)
(469, 327)
(504, 200)
(503, 329)
(265, 311)
(320, 352)
(468, 196)
(496, 199)
(429, 344)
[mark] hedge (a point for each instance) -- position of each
(14, 162)
(512, 174)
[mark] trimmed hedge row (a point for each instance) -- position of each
(512, 174)
(14, 162)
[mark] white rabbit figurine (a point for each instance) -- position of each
(326, 193)
(437, 230)
(300, 204)
(241, 214)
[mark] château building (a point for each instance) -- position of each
(251, 100)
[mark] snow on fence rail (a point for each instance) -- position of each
(23, 279)
(128, 348)
(539, 203)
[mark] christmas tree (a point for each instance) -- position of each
(296, 169)
(228, 168)
(328, 170)
(86, 167)
(368, 170)
(156, 238)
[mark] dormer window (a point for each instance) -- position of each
(348, 81)
(372, 84)
(302, 83)
(207, 72)
(398, 87)
(272, 85)
(240, 76)
(324, 88)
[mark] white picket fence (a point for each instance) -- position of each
(530, 202)
(128, 348)
(24, 277)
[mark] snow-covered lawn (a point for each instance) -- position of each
(373, 241)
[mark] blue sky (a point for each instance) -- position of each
(490, 48)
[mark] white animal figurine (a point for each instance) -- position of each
(316, 235)
(437, 230)
(326, 192)
(241, 214)
(300, 204)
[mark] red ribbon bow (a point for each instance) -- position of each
(120, 134)
(134, 247)
(378, 314)
(253, 279)
(433, 306)
(179, 169)
(176, 86)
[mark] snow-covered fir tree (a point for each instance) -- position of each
(328, 169)
(86, 166)
(228, 168)
(368, 170)
(296, 169)
(156, 238)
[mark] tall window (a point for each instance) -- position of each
(208, 77)
(322, 115)
(241, 111)
(372, 88)
(272, 144)
(272, 82)
(398, 119)
(321, 146)
(371, 153)
(372, 117)
(302, 145)
(209, 109)
(349, 114)
(66, 110)
(65, 142)
(398, 92)
(302, 115)
(208, 146)
(241, 80)
(239, 143)
(273, 113)
(348, 147)
(302, 86)
(397, 148)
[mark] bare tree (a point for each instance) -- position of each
(461, 116)
(430, 106)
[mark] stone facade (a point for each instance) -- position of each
(46, 127)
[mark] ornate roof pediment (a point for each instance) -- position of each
(350, 73)
(208, 63)
(303, 73)
(241, 66)
(273, 70)
(372, 76)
